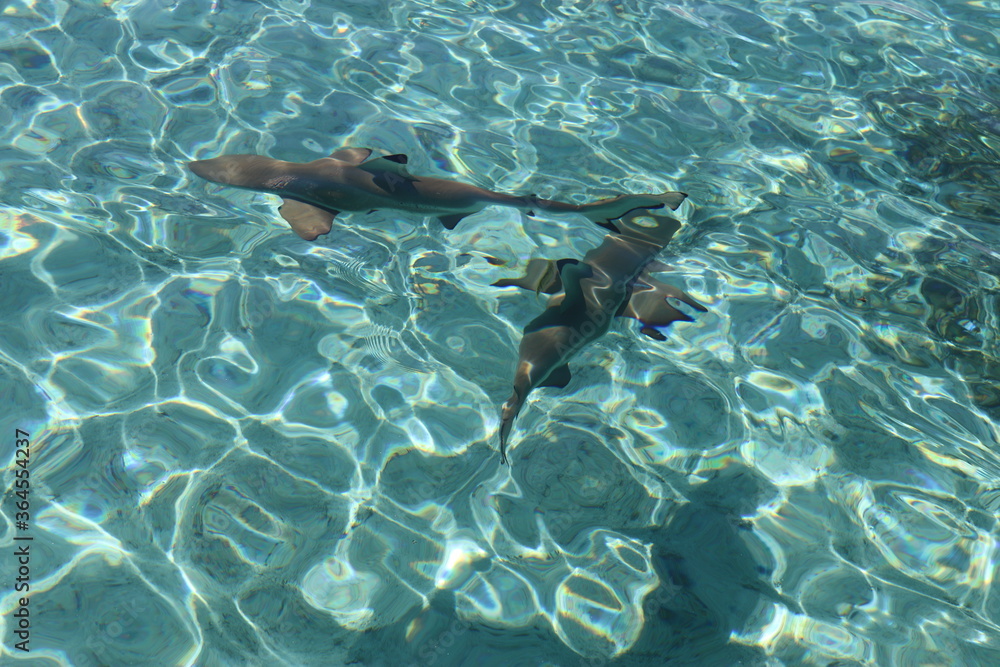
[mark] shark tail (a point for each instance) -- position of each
(254, 172)
(507, 416)
(606, 210)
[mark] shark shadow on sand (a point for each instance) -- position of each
(612, 280)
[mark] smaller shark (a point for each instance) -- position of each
(351, 179)
(612, 280)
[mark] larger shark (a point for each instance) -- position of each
(353, 179)
(612, 280)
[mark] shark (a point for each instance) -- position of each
(612, 280)
(358, 179)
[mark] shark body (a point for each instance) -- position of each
(351, 179)
(612, 280)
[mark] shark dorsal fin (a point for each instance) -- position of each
(401, 158)
(352, 155)
(392, 163)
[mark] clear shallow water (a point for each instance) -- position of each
(249, 449)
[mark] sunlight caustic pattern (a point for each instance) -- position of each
(249, 449)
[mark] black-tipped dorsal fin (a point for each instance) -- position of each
(559, 377)
(394, 163)
(306, 220)
(352, 155)
(401, 158)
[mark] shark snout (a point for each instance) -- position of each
(242, 171)
(210, 170)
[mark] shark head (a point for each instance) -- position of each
(254, 172)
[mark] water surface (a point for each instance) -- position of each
(251, 449)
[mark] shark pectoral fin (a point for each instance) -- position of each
(306, 220)
(606, 210)
(542, 275)
(653, 311)
(559, 377)
(451, 221)
(645, 282)
(352, 155)
(648, 304)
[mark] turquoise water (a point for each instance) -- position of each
(249, 449)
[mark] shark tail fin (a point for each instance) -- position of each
(672, 200)
(508, 413)
(606, 210)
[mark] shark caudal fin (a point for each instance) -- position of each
(671, 200)
(508, 413)
(254, 172)
(606, 210)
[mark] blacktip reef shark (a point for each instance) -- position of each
(352, 179)
(612, 280)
